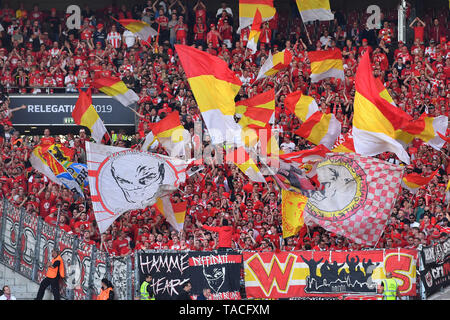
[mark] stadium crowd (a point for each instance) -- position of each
(38, 54)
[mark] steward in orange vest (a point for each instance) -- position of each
(55, 272)
(107, 290)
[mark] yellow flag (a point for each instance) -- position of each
(292, 206)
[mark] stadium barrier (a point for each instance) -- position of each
(26, 242)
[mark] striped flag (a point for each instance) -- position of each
(84, 114)
(139, 28)
(169, 132)
(320, 128)
(255, 32)
(173, 212)
(292, 206)
(312, 10)
(414, 181)
(326, 64)
(301, 105)
(214, 87)
(116, 88)
(245, 163)
(256, 111)
(275, 63)
(247, 10)
(379, 126)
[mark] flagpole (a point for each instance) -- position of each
(306, 30)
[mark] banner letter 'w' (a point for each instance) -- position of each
(276, 275)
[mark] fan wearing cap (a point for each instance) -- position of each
(365, 47)
(287, 145)
(100, 35)
(213, 37)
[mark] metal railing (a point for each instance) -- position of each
(26, 242)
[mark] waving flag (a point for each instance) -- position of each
(123, 179)
(345, 144)
(320, 128)
(414, 181)
(38, 160)
(306, 160)
(139, 28)
(84, 114)
(379, 126)
(214, 87)
(357, 198)
(52, 161)
(301, 105)
(116, 88)
(275, 63)
(173, 212)
(255, 32)
(326, 64)
(245, 163)
(312, 10)
(247, 11)
(292, 206)
(169, 132)
(256, 111)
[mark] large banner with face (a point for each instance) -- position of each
(436, 263)
(204, 270)
(326, 273)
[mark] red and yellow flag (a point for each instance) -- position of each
(301, 105)
(84, 114)
(274, 64)
(214, 87)
(346, 146)
(312, 10)
(174, 213)
(139, 28)
(168, 131)
(116, 88)
(379, 126)
(414, 181)
(247, 11)
(326, 64)
(292, 207)
(320, 128)
(256, 111)
(245, 163)
(255, 32)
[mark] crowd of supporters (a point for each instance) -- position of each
(39, 54)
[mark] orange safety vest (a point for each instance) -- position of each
(53, 272)
(104, 294)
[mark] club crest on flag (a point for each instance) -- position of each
(344, 189)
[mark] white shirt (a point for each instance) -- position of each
(287, 147)
(3, 297)
(129, 37)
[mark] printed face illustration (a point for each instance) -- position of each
(138, 177)
(339, 188)
(215, 276)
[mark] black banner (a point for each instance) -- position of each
(56, 110)
(436, 261)
(219, 272)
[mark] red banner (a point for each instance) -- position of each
(327, 273)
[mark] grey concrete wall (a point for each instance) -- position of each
(21, 287)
